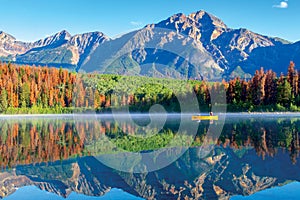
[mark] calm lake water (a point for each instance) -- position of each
(240, 156)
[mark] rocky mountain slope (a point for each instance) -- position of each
(63, 49)
(226, 172)
(275, 58)
(186, 46)
(10, 47)
(60, 49)
(194, 46)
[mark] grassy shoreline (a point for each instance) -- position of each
(204, 109)
(143, 114)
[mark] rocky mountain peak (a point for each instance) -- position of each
(5, 37)
(205, 18)
(177, 17)
(198, 19)
(9, 46)
(55, 40)
(63, 35)
(86, 43)
(200, 25)
(92, 35)
(174, 22)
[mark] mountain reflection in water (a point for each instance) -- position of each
(58, 156)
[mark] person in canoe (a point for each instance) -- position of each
(211, 121)
(209, 116)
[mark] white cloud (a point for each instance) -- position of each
(135, 23)
(282, 4)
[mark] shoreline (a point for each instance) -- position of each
(228, 114)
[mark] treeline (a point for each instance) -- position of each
(30, 89)
(265, 91)
(37, 88)
(27, 89)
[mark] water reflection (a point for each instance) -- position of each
(224, 173)
(266, 134)
(27, 141)
(57, 155)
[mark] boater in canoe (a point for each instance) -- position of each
(205, 117)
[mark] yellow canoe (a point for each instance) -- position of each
(198, 118)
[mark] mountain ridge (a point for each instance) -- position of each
(211, 48)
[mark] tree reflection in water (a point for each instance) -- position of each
(28, 141)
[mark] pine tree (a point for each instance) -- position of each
(245, 92)
(257, 87)
(270, 88)
(292, 78)
(3, 100)
(284, 93)
(237, 90)
(230, 93)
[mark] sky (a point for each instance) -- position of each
(30, 20)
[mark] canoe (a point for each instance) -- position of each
(198, 117)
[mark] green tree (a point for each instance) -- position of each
(238, 90)
(25, 95)
(3, 100)
(284, 93)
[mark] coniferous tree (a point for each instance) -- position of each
(292, 78)
(257, 87)
(284, 93)
(237, 90)
(270, 88)
(3, 100)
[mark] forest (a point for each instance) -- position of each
(43, 90)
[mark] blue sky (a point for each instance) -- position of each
(29, 20)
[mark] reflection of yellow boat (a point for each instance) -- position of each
(199, 117)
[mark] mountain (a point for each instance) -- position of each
(224, 173)
(211, 49)
(194, 46)
(63, 49)
(276, 58)
(10, 47)
(170, 48)
(60, 49)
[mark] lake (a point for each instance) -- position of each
(159, 156)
